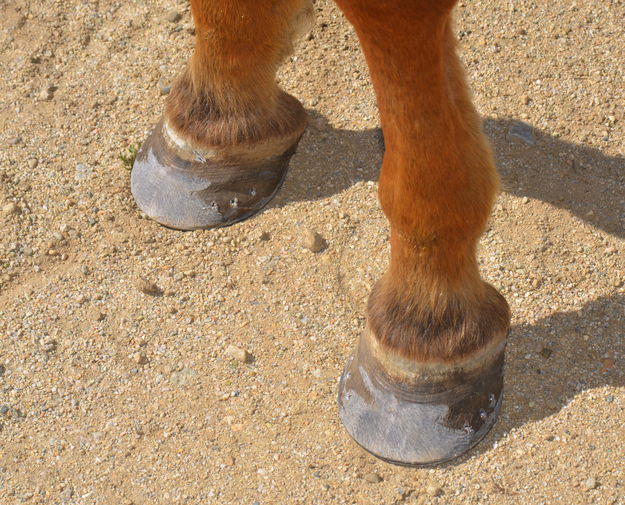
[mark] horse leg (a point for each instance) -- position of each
(222, 149)
(425, 383)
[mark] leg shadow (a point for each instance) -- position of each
(550, 362)
(329, 160)
(578, 178)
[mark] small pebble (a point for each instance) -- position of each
(606, 364)
(14, 141)
(312, 241)
(2, 370)
(373, 478)
(10, 208)
(590, 483)
(96, 315)
(173, 16)
(433, 491)
(46, 93)
(239, 354)
(545, 352)
(164, 87)
(48, 345)
(33, 163)
(140, 358)
(147, 287)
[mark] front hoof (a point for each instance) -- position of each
(419, 414)
(188, 189)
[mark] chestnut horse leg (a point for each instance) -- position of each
(222, 149)
(425, 383)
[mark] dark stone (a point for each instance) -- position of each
(522, 131)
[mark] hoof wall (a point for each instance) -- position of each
(177, 187)
(421, 420)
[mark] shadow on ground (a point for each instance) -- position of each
(579, 350)
(577, 178)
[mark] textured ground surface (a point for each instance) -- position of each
(112, 396)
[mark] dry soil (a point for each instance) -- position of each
(115, 392)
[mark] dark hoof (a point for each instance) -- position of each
(419, 414)
(189, 189)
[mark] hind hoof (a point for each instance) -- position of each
(188, 189)
(419, 414)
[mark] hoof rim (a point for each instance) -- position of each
(424, 418)
(182, 188)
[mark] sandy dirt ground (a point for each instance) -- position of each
(112, 393)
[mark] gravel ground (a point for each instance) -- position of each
(141, 365)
